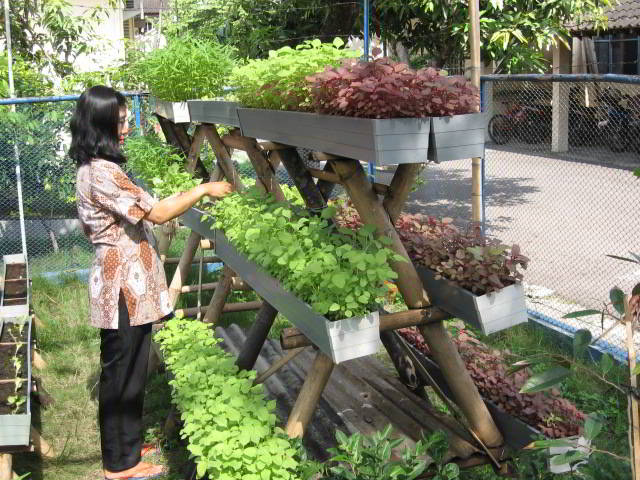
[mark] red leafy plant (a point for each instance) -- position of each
(466, 257)
(554, 416)
(387, 89)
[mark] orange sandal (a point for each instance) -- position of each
(142, 471)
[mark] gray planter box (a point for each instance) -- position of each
(380, 141)
(341, 340)
(457, 137)
(212, 111)
(177, 112)
(490, 313)
(16, 429)
(15, 288)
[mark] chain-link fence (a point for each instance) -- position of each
(558, 182)
(37, 137)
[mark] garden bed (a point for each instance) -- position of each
(341, 340)
(15, 382)
(545, 412)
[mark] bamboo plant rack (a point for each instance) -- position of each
(377, 204)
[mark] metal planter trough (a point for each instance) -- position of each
(340, 340)
(14, 288)
(457, 137)
(381, 141)
(490, 313)
(214, 111)
(15, 428)
(177, 112)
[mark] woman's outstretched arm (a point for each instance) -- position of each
(174, 206)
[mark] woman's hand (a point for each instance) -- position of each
(218, 189)
(177, 204)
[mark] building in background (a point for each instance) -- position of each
(614, 50)
(142, 22)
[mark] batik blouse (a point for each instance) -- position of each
(111, 209)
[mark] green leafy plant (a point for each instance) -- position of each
(359, 457)
(340, 272)
(278, 82)
(15, 402)
(230, 427)
(186, 69)
(158, 164)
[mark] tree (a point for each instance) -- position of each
(514, 33)
(48, 33)
(254, 28)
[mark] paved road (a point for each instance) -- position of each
(565, 215)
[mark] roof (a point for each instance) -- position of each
(624, 14)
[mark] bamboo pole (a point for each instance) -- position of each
(256, 337)
(182, 272)
(176, 260)
(217, 303)
(442, 348)
(401, 184)
(228, 308)
(301, 177)
(194, 149)
(309, 396)
(264, 172)
(290, 355)
(371, 212)
(6, 466)
(634, 413)
(474, 46)
(236, 284)
(223, 157)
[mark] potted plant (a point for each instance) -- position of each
(472, 277)
(327, 282)
(15, 381)
(185, 69)
(377, 111)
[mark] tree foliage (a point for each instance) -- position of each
(50, 34)
(254, 28)
(514, 33)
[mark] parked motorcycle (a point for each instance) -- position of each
(530, 124)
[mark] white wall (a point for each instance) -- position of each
(109, 43)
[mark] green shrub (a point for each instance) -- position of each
(339, 272)
(278, 82)
(158, 165)
(186, 69)
(230, 427)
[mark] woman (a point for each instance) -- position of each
(127, 286)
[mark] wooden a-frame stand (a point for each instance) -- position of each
(378, 205)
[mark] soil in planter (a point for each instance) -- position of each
(7, 369)
(553, 415)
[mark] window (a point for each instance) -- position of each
(618, 53)
(130, 4)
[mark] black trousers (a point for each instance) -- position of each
(124, 354)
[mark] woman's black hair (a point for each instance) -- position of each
(94, 126)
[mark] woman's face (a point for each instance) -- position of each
(123, 124)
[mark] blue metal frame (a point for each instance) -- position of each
(563, 77)
(61, 98)
(371, 169)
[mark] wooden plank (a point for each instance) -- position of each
(286, 358)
